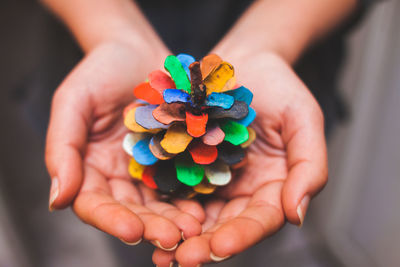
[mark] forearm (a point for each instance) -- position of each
(285, 27)
(93, 22)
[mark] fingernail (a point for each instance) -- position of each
(132, 243)
(216, 258)
(157, 244)
(54, 191)
(302, 209)
(183, 236)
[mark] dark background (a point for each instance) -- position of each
(37, 52)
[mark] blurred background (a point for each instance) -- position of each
(353, 222)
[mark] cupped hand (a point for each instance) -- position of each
(85, 159)
(287, 166)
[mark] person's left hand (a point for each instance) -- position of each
(287, 165)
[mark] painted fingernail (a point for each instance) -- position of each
(132, 243)
(302, 209)
(54, 191)
(157, 244)
(216, 258)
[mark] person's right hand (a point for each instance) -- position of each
(85, 158)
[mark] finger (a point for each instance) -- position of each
(95, 206)
(220, 213)
(163, 258)
(228, 211)
(125, 191)
(187, 224)
(65, 143)
(200, 252)
(307, 161)
(194, 251)
(212, 210)
(147, 193)
(160, 231)
(192, 207)
(261, 216)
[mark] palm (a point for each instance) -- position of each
(87, 121)
(103, 150)
(266, 162)
(289, 154)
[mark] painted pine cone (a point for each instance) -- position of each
(189, 128)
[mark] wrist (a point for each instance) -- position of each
(285, 28)
(94, 23)
(241, 56)
(143, 58)
(240, 49)
(143, 48)
(149, 46)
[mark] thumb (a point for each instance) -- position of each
(65, 144)
(307, 163)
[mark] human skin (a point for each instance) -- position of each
(287, 164)
(83, 147)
